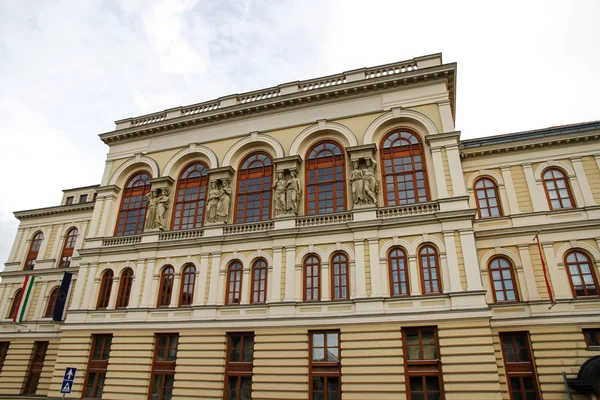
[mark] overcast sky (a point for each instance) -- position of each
(68, 69)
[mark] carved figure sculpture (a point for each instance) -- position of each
(292, 193)
(224, 200)
(280, 194)
(162, 204)
(152, 197)
(357, 182)
(371, 185)
(213, 201)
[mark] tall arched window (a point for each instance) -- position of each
(51, 302)
(15, 304)
(581, 273)
(403, 168)
(259, 281)
(254, 188)
(188, 281)
(234, 283)
(558, 190)
(503, 280)
(398, 268)
(124, 291)
(339, 277)
(325, 179)
(134, 203)
(430, 270)
(312, 278)
(34, 248)
(67, 252)
(105, 288)
(188, 211)
(166, 286)
(488, 201)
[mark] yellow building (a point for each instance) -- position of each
(323, 239)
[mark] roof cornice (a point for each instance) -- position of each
(44, 212)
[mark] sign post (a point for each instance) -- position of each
(67, 384)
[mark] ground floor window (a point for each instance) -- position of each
(239, 365)
(325, 365)
(519, 366)
(35, 367)
(97, 366)
(3, 352)
(163, 366)
(422, 364)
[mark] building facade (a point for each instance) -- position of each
(323, 239)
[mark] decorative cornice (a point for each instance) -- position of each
(44, 212)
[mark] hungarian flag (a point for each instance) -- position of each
(26, 295)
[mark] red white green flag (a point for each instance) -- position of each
(26, 295)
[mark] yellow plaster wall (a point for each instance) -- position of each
(592, 173)
(461, 261)
(521, 189)
(50, 246)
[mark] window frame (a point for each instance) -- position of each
(238, 369)
(595, 332)
(15, 303)
(69, 200)
(186, 299)
(34, 249)
(163, 368)
(124, 290)
(391, 272)
(324, 368)
(565, 178)
(199, 202)
(422, 367)
(165, 286)
(51, 305)
(437, 268)
(342, 287)
(519, 368)
(83, 198)
(4, 346)
(255, 293)
(104, 293)
(578, 264)
(305, 278)
(99, 366)
(513, 279)
(312, 164)
(228, 292)
(131, 191)
(486, 198)
(67, 252)
(266, 194)
(36, 365)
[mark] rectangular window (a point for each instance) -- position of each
(592, 338)
(97, 366)
(83, 198)
(3, 352)
(519, 366)
(163, 366)
(238, 367)
(324, 371)
(69, 200)
(422, 363)
(35, 367)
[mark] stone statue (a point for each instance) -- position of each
(292, 193)
(280, 186)
(152, 197)
(357, 183)
(162, 204)
(212, 202)
(371, 184)
(224, 200)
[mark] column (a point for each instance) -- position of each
(452, 260)
(79, 286)
(325, 282)
(112, 301)
(89, 293)
(298, 283)
(456, 173)
(536, 192)
(360, 281)
(42, 302)
(438, 169)
(290, 273)
(446, 115)
(385, 277)
(584, 186)
(470, 259)
(528, 273)
(374, 267)
(175, 291)
(558, 277)
(221, 287)
(414, 276)
(445, 273)
(274, 294)
(200, 284)
(509, 186)
(138, 275)
(246, 281)
(214, 278)
(146, 300)
(58, 243)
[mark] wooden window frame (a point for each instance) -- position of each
(422, 367)
(266, 194)
(68, 247)
(305, 277)
(69, 201)
(197, 204)
(36, 365)
(83, 198)
(4, 346)
(341, 287)
(437, 269)
(578, 264)
(52, 298)
(166, 283)
(560, 199)
(230, 298)
(238, 369)
(519, 368)
(486, 198)
(34, 249)
(503, 280)
(125, 285)
(404, 258)
(187, 288)
(402, 152)
(15, 303)
(324, 368)
(320, 163)
(163, 368)
(258, 295)
(97, 366)
(590, 333)
(124, 213)
(104, 293)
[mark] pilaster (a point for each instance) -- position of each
(511, 194)
(112, 301)
(470, 259)
(149, 277)
(134, 297)
(274, 294)
(214, 278)
(200, 284)
(90, 292)
(79, 286)
(446, 115)
(325, 281)
(246, 284)
(452, 260)
(414, 276)
(536, 192)
(558, 277)
(290, 273)
(42, 302)
(360, 281)
(528, 273)
(583, 184)
(438, 169)
(374, 267)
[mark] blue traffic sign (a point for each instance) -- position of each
(67, 384)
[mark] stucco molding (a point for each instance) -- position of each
(423, 240)
(341, 248)
(396, 242)
(193, 149)
(547, 164)
(259, 254)
(398, 114)
(252, 138)
(482, 173)
(501, 252)
(577, 245)
(137, 160)
(311, 250)
(321, 126)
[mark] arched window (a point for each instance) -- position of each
(51, 302)
(398, 268)
(254, 188)
(166, 286)
(430, 271)
(312, 278)
(124, 288)
(581, 274)
(34, 248)
(403, 168)
(558, 190)
(339, 277)
(67, 253)
(488, 201)
(188, 281)
(503, 280)
(134, 203)
(325, 179)
(105, 288)
(188, 211)
(234, 283)
(15, 304)
(259, 282)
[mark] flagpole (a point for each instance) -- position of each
(545, 270)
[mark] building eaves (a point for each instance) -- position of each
(63, 209)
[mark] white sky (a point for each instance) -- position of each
(68, 68)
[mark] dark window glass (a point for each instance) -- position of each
(558, 190)
(133, 205)
(592, 337)
(503, 280)
(339, 277)
(488, 201)
(259, 281)
(238, 366)
(234, 283)
(69, 200)
(35, 367)
(430, 271)
(163, 366)
(83, 198)
(97, 366)
(312, 278)
(581, 274)
(3, 352)
(105, 289)
(125, 284)
(34, 248)
(519, 366)
(421, 361)
(188, 280)
(325, 365)
(325, 177)
(69, 246)
(254, 188)
(188, 210)
(15, 304)
(166, 286)
(51, 302)
(398, 269)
